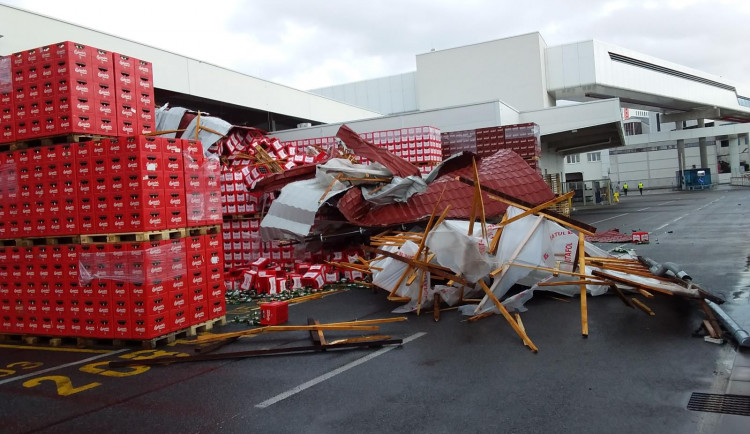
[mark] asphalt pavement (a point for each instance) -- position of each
(635, 373)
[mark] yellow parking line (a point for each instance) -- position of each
(66, 350)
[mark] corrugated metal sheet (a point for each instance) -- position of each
(504, 171)
(292, 214)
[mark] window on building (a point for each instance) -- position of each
(594, 156)
(633, 128)
(574, 158)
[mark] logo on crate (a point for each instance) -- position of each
(104, 92)
(127, 128)
(84, 123)
(126, 96)
(82, 87)
(106, 127)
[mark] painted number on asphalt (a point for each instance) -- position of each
(18, 365)
(96, 368)
(65, 386)
(63, 383)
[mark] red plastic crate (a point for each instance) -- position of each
(150, 327)
(274, 313)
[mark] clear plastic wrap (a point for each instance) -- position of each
(137, 262)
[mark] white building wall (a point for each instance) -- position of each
(551, 162)
(461, 118)
(388, 95)
(511, 70)
(175, 72)
(657, 168)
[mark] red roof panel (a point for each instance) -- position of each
(397, 165)
(504, 171)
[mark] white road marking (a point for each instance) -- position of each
(333, 373)
(679, 218)
(54, 368)
(661, 227)
(610, 218)
(669, 201)
(642, 209)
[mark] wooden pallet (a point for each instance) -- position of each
(160, 235)
(207, 326)
(204, 230)
(48, 141)
(95, 342)
(48, 341)
(40, 241)
(126, 237)
(245, 216)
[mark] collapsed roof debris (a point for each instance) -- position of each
(459, 259)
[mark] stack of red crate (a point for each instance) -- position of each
(134, 89)
(69, 88)
(126, 184)
(523, 139)
(128, 290)
(137, 290)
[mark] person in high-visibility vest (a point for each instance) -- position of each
(625, 189)
(640, 188)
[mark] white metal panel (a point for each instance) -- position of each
(570, 64)
(449, 119)
(586, 63)
(569, 117)
(511, 70)
(555, 71)
(387, 95)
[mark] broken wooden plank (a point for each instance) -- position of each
(515, 254)
(630, 282)
(639, 304)
(252, 353)
(504, 312)
(538, 208)
(710, 329)
(496, 239)
(534, 267)
(582, 270)
(316, 336)
(520, 323)
(621, 296)
(359, 339)
(518, 203)
(480, 316)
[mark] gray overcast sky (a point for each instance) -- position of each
(311, 44)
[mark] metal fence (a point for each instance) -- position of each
(742, 181)
(598, 192)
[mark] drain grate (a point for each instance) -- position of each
(727, 404)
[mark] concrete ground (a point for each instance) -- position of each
(634, 373)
